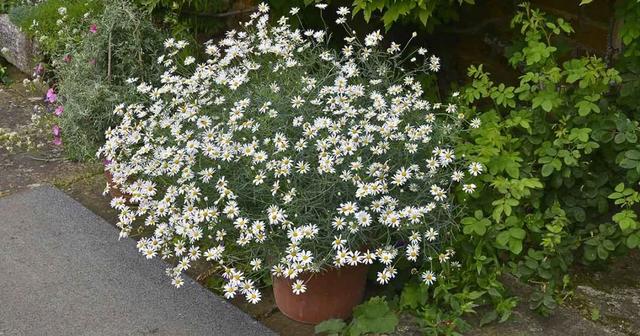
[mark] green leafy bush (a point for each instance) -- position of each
(426, 12)
(556, 146)
(563, 165)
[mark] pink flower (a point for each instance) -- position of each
(51, 96)
(93, 28)
(67, 58)
(56, 131)
(92, 61)
(59, 110)
(57, 141)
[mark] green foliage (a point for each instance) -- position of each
(330, 327)
(373, 316)
(424, 11)
(555, 145)
(41, 22)
(629, 12)
(475, 225)
(562, 161)
(89, 69)
(93, 83)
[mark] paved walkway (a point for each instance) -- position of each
(63, 272)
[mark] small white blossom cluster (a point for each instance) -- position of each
(281, 156)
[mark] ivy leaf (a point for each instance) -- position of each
(330, 327)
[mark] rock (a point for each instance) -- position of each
(15, 46)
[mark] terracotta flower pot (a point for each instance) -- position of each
(330, 294)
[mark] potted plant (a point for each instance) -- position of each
(281, 158)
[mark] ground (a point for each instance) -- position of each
(603, 302)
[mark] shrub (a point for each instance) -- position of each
(560, 157)
(427, 13)
(93, 82)
(92, 48)
(563, 165)
(279, 155)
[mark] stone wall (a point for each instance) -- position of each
(15, 47)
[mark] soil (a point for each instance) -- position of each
(21, 170)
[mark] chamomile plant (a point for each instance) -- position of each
(280, 155)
